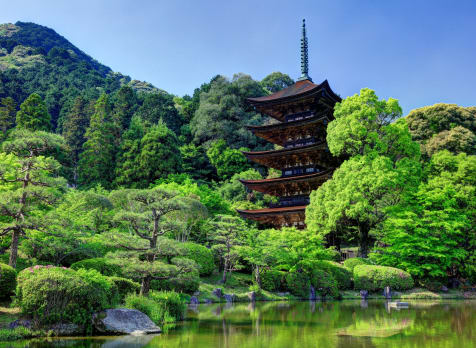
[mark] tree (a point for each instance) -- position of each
(443, 126)
(276, 81)
(160, 106)
(155, 156)
(29, 183)
(7, 115)
(144, 212)
(97, 161)
(226, 235)
(227, 161)
(431, 233)
(196, 163)
(75, 125)
(223, 113)
(125, 103)
(384, 165)
(33, 114)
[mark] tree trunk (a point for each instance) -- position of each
(225, 266)
(364, 241)
(145, 287)
(14, 248)
(257, 276)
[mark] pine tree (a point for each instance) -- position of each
(7, 115)
(33, 114)
(97, 161)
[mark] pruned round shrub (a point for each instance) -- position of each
(355, 261)
(50, 294)
(201, 255)
(341, 274)
(307, 273)
(272, 280)
(100, 264)
(373, 278)
(7, 281)
(125, 286)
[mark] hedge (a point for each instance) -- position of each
(50, 294)
(7, 281)
(355, 261)
(201, 255)
(307, 273)
(373, 278)
(100, 264)
(125, 286)
(341, 274)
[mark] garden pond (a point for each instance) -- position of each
(343, 324)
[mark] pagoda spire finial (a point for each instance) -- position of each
(304, 55)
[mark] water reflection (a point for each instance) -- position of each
(306, 324)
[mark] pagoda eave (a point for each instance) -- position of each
(277, 217)
(286, 185)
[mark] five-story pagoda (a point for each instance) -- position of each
(303, 111)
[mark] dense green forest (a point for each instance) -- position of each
(101, 172)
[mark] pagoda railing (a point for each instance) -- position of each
(300, 142)
(299, 116)
(291, 201)
(302, 170)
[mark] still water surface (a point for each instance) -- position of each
(345, 324)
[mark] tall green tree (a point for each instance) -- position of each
(444, 127)
(227, 161)
(431, 233)
(155, 156)
(160, 106)
(97, 161)
(75, 124)
(276, 81)
(28, 183)
(223, 113)
(33, 114)
(7, 115)
(383, 166)
(124, 103)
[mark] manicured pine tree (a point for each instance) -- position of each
(97, 161)
(33, 114)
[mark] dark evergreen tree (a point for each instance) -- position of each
(7, 115)
(160, 106)
(33, 114)
(97, 161)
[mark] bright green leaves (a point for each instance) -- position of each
(33, 114)
(227, 161)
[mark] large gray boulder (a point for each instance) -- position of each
(124, 321)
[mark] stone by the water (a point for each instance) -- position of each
(312, 293)
(364, 294)
(229, 298)
(252, 296)
(387, 292)
(217, 292)
(194, 300)
(123, 321)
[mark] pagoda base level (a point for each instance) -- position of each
(277, 217)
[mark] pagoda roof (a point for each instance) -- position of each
(276, 216)
(304, 91)
(277, 133)
(316, 153)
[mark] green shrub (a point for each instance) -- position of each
(125, 286)
(100, 264)
(307, 273)
(341, 274)
(272, 280)
(372, 278)
(160, 307)
(355, 261)
(202, 256)
(332, 255)
(298, 282)
(21, 262)
(171, 301)
(7, 281)
(55, 294)
(324, 283)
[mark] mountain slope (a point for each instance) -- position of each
(34, 58)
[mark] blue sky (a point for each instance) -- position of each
(420, 52)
